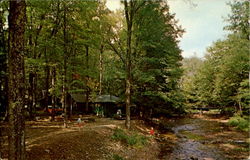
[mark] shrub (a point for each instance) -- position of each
(117, 157)
(119, 135)
(240, 122)
(138, 140)
(228, 111)
(131, 139)
(233, 121)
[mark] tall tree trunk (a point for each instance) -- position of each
(130, 12)
(2, 37)
(3, 78)
(6, 117)
(101, 70)
(240, 108)
(64, 103)
(53, 94)
(33, 40)
(129, 20)
(16, 79)
(87, 79)
(31, 95)
(1, 142)
(47, 72)
(34, 92)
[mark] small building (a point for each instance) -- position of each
(78, 103)
(108, 105)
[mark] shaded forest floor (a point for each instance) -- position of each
(196, 137)
(93, 141)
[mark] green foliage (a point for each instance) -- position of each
(57, 34)
(157, 71)
(137, 140)
(133, 139)
(223, 72)
(72, 44)
(229, 111)
(189, 83)
(243, 96)
(242, 123)
(191, 135)
(117, 157)
(239, 18)
(119, 135)
(247, 149)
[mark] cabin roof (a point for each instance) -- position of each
(106, 99)
(77, 97)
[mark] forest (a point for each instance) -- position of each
(52, 50)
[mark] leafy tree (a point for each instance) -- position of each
(131, 8)
(239, 18)
(157, 55)
(57, 42)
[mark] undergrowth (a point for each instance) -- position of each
(117, 157)
(131, 139)
(242, 123)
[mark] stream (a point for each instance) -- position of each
(190, 148)
(196, 139)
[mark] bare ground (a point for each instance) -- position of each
(51, 141)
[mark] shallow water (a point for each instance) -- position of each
(189, 144)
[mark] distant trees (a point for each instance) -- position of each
(222, 79)
(224, 72)
(191, 66)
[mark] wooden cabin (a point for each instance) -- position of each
(108, 105)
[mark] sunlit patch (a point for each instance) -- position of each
(191, 135)
(248, 140)
(229, 146)
(169, 136)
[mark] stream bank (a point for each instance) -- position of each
(202, 137)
